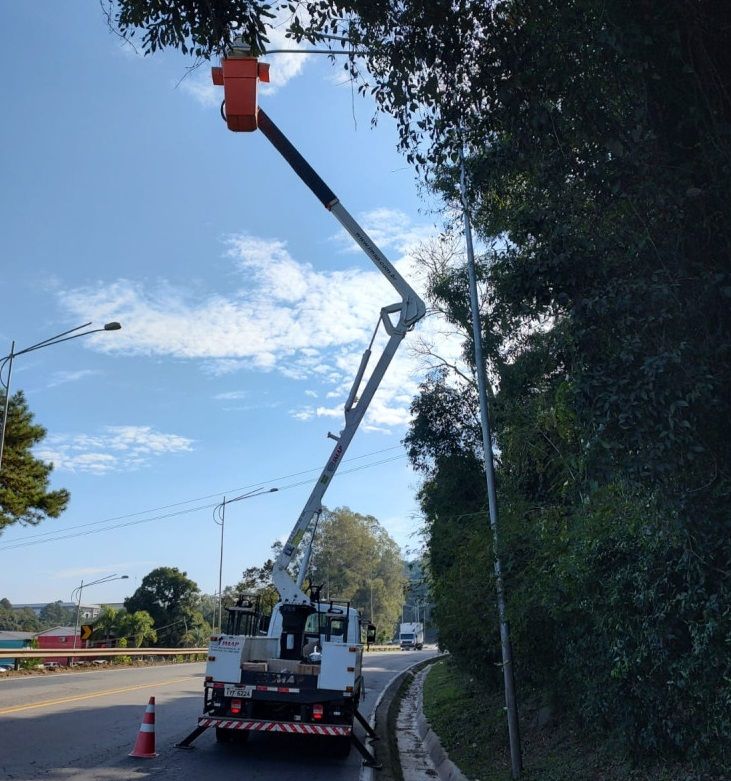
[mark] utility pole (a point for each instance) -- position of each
(516, 763)
(219, 517)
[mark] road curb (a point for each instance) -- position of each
(445, 768)
(368, 773)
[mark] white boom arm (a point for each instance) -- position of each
(396, 318)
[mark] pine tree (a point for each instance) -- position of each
(24, 494)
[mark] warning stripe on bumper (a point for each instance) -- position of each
(278, 689)
(292, 727)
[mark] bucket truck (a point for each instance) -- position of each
(304, 674)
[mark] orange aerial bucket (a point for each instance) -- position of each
(239, 76)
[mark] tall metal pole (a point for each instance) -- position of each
(7, 401)
(220, 568)
(220, 511)
(507, 654)
(80, 590)
(78, 613)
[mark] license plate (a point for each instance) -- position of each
(237, 691)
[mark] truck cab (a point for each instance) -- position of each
(330, 622)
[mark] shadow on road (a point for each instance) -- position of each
(89, 742)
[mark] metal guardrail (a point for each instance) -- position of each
(78, 653)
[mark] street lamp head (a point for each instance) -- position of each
(113, 326)
(124, 577)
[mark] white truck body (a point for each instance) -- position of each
(250, 687)
(411, 636)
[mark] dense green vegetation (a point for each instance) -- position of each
(470, 722)
(600, 190)
(173, 601)
(598, 142)
(123, 628)
(25, 619)
(355, 558)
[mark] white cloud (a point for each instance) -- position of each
(62, 377)
(231, 395)
(285, 66)
(390, 229)
(116, 449)
(199, 86)
(285, 316)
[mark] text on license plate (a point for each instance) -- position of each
(237, 691)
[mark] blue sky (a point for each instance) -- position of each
(244, 307)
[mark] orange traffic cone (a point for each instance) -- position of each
(145, 743)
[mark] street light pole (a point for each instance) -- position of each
(220, 566)
(79, 591)
(219, 517)
(8, 361)
(507, 653)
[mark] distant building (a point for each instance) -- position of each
(87, 612)
(14, 640)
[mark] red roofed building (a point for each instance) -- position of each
(59, 637)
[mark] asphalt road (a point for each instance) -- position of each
(82, 726)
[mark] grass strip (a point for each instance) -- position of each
(470, 721)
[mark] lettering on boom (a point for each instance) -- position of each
(371, 250)
(333, 463)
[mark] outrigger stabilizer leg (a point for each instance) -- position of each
(369, 759)
(366, 726)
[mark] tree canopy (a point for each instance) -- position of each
(353, 558)
(136, 629)
(172, 600)
(55, 614)
(24, 494)
(23, 620)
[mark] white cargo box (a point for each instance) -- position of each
(227, 653)
(340, 666)
(224, 658)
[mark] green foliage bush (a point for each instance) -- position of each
(600, 177)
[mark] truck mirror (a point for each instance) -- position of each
(371, 634)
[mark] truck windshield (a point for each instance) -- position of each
(407, 637)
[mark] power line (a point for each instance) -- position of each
(196, 499)
(29, 542)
